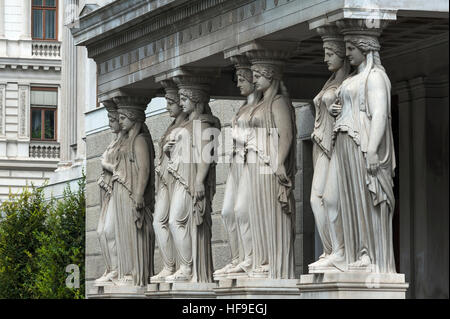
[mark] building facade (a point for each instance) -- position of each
(137, 44)
(30, 92)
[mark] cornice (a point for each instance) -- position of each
(150, 26)
(30, 64)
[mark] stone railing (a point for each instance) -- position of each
(44, 49)
(44, 150)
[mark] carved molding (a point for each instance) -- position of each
(24, 106)
(163, 22)
(2, 109)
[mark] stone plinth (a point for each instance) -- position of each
(181, 290)
(117, 292)
(353, 285)
(257, 288)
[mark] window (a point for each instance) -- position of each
(44, 103)
(44, 19)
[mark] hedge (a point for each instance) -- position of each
(39, 238)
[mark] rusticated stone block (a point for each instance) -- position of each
(95, 267)
(92, 244)
(219, 233)
(93, 169)
(92, 195)
(92, 217)
(97, 143)
(221, 255)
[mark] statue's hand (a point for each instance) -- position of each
(167, 148)
(373, 163)
(281, 174)
(139, 202)
(199, 191)
(335, 109)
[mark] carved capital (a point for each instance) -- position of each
(129, 100)
(363, 27)
(109, 105)
(240, 62)
(330, 33)
(171, 90)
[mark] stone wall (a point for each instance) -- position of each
(224, 110)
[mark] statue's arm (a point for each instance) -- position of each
(377, 99)
(283, 122)
(106, 165)
(143, 162)
(202, 168)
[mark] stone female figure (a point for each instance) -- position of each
(271, 157)
(133, 194)
(194, 188)
(235, 205)
(165, 185)
(364, 151)
(106, 230)
(334, 50)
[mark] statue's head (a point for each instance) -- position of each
(358, 46)
(193, 98)
(113, 116)
(245, 80)
(334, 53)
(173, 102)
(130, 115)
(264, 74)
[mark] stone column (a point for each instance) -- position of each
(2, 19)
(375, 275)
(68, 110)
(2, 119)
(273, 56)
(26, 20)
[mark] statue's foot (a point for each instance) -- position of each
(161, 276)
(242, 267)
(331, 263)
(107, 277)
(225, 269)
(124, 281)
(362, 262)
(319, 261)
(260, 271)
(182, 274)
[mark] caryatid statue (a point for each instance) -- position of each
(191, 165)
(133, 193)
(271, 150)
(165, 187)
(334, 57)
(106, 230)
(364, 155)
(235, 211)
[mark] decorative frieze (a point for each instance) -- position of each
(187, 33)
(2, 109)
(24, 106)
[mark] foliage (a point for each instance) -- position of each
(38, 239)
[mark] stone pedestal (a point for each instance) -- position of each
(257, 288)
(117, 292)
(352, 285)
(181, 290)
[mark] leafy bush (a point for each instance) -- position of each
(21, 217)
(38, 239)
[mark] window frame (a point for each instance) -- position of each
(44, 8)
(43, 109)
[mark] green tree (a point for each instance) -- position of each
(20, 218)
(38, 240)
(62, 244)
